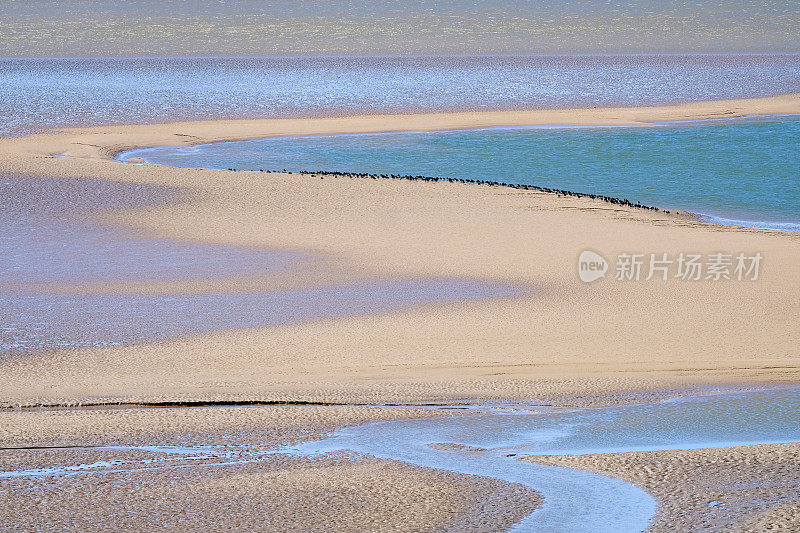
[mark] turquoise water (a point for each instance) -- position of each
(733, 171)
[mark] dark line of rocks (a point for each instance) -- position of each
(559, 192)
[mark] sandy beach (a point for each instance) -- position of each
(559, 341)
(562, 336)
(739, 488)
(282, 492)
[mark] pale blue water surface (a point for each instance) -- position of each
(487, 440)
(574, 500)
(42, 94)
(734, 171)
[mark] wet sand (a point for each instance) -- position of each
(286, 494)
(744, 488)
(740, 488)
(561, 342)
(563, 337)
(344, 492)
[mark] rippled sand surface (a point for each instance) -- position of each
(561, 342)
(743, 488)
(344, 492)
(230, 466)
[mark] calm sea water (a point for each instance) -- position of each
(42, 94)
(736, 171)
(256, 27)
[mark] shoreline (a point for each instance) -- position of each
(33, 433)
(93, 142)
(315, 423)
(643, 123)
(701, 487)
(133, 136)
(135, 156)
(564, 338)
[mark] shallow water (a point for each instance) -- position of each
(734, 171)
(42, 94)
(487, 440)
(575, 500)
(703, 421)
(51, 236)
